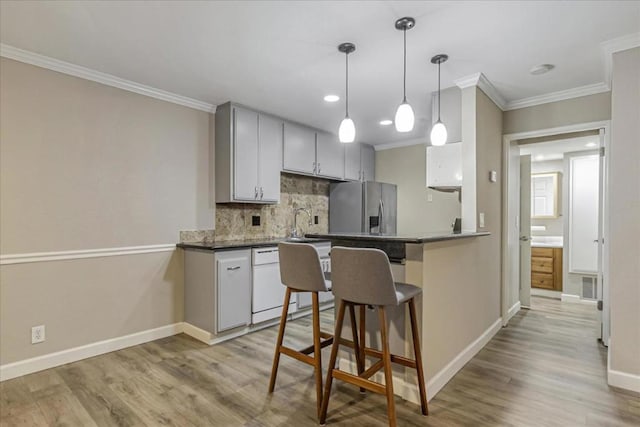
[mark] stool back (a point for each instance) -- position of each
(362, 276)
(300, 267)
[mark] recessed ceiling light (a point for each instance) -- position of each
(541, 69)
(591, 144)
(385, 122)
(539, 157)
(332, 98)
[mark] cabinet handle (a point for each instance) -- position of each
(261, 193)
(237, 267)
(255, 196)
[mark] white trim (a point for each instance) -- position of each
(398, 144)
(576, 299)
(83, 254)
(515, 308)
(546, 293)
(616, 45)
(35, 364)
(53, 64)
(560, 95)
(409, 389)
(480, 80)
(197, 333)
(621, 379)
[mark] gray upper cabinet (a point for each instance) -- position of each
(248, 155)
(329, 156)
(367, 162)
(270, 157)
(299, 149)
(450, 112)
(359, 162)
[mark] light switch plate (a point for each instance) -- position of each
(429, 197)
(481, 219)
(493, 176)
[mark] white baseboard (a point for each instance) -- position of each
(40, 363)
(513, 310)
(622, 379)
(546, 293)
(576, 299)
(197, 333)
(409, 390)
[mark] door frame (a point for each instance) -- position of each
(507, 139)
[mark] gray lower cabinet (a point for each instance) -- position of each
(299, 149)
(359, 162)
(217, 289)
(329, 156)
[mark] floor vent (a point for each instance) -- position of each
(589, 287)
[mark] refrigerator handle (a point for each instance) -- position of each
(382, 227)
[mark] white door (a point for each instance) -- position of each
(603, 285)
(525, 231)
(584, 183)
(511, 270)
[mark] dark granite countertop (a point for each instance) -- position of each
(399, 238)
(219, 245)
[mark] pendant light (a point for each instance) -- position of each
(439, 130)
(404, 115)
(347, 130)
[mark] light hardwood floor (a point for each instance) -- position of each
(545, 369)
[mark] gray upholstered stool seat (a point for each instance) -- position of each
(362, 277)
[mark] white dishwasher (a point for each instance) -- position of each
(268, 290)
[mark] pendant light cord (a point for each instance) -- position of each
(347, 83)
(439, 91)
(404, 72)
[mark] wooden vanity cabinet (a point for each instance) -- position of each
(546, 268)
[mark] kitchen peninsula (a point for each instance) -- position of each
(457, 313)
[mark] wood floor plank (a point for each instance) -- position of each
(545, 369)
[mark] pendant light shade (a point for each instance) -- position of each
(347, 129)
(405, 118)
(438, 134)
(439, 130)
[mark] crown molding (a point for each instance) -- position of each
(481, 81)
(616, 45)
(560, 95)
(399, 144)
(17, 54)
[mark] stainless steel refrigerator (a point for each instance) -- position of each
(368, 207)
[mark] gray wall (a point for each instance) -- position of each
(407, 168)
(87, 166)
(590, 108)
(624, 199)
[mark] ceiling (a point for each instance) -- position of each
(281, 57)
(554, 150)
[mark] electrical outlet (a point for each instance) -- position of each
(255, 220)
(37, 334)
(315, 219)
(429, 197)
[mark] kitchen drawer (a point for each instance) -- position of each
(542, 252)
(268, 255)
(541, 265)
(542, 281)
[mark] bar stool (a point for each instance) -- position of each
(362, 277)
(300, 271)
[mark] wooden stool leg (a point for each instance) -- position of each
(317, 350)
(356, 344)
(418, 356)
(276, 357)
(388, 374)
(363, 334)
(332, 363)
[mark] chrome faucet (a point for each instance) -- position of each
(294, 231)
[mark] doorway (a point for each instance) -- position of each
(555, 188)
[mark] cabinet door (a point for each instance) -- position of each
(352, 162)
(233, 292)
(444, 165)
(299, 149)
(270, 158)
(330, 156)
(367, 162)
(245, 154)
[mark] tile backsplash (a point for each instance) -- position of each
(234, 220)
